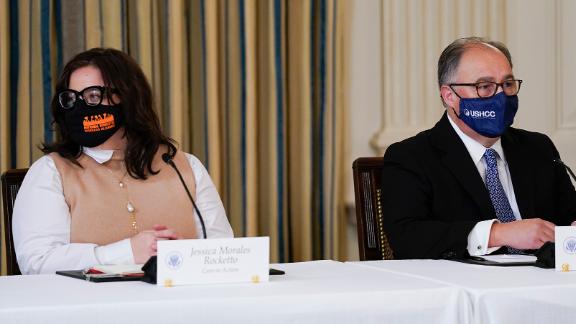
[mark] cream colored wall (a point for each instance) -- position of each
(365, 83)
(395, 46)
(541, 37)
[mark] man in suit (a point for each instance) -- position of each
(473, 185)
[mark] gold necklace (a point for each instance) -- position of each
(129, 205)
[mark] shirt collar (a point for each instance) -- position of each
(100, 156)
(475, 149)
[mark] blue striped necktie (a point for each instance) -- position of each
(498, 197)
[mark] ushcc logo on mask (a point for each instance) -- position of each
(480, 114)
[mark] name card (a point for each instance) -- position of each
(565, 248)
(191, 262)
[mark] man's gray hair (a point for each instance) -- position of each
(450, 57)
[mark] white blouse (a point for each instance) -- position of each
(41, 220)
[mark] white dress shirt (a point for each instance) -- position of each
(41, 220)
(480, 234)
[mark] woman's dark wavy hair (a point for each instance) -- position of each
(142, 127)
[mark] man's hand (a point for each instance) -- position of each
(144, 243)
(525, 234)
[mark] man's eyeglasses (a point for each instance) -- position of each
(92, 96)
(487, 89)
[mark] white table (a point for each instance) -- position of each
(310, 292)
(498, 294)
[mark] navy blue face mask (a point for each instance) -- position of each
(489, 117)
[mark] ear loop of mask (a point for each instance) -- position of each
(454, 110)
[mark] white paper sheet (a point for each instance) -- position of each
(509, 258)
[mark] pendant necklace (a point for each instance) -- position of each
(129, 205)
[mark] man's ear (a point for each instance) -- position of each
(448, 96)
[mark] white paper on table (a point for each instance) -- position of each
(509, 258)
(120, 268)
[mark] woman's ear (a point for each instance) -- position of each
(113, 97)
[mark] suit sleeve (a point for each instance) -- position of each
(411, 219)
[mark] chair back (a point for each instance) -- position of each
(372, 240)
(11, 181)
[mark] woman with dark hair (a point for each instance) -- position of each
(104, 193)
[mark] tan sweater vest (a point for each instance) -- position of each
(98, 203)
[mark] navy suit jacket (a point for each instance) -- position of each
(433, 194)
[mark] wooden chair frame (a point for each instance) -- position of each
(11, 181)
(372, 240)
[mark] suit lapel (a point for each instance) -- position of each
(455, 157)
(518, 159)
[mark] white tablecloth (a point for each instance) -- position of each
(310, 292)
(498, 294)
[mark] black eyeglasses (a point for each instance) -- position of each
(92, 96)
(487, 89)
